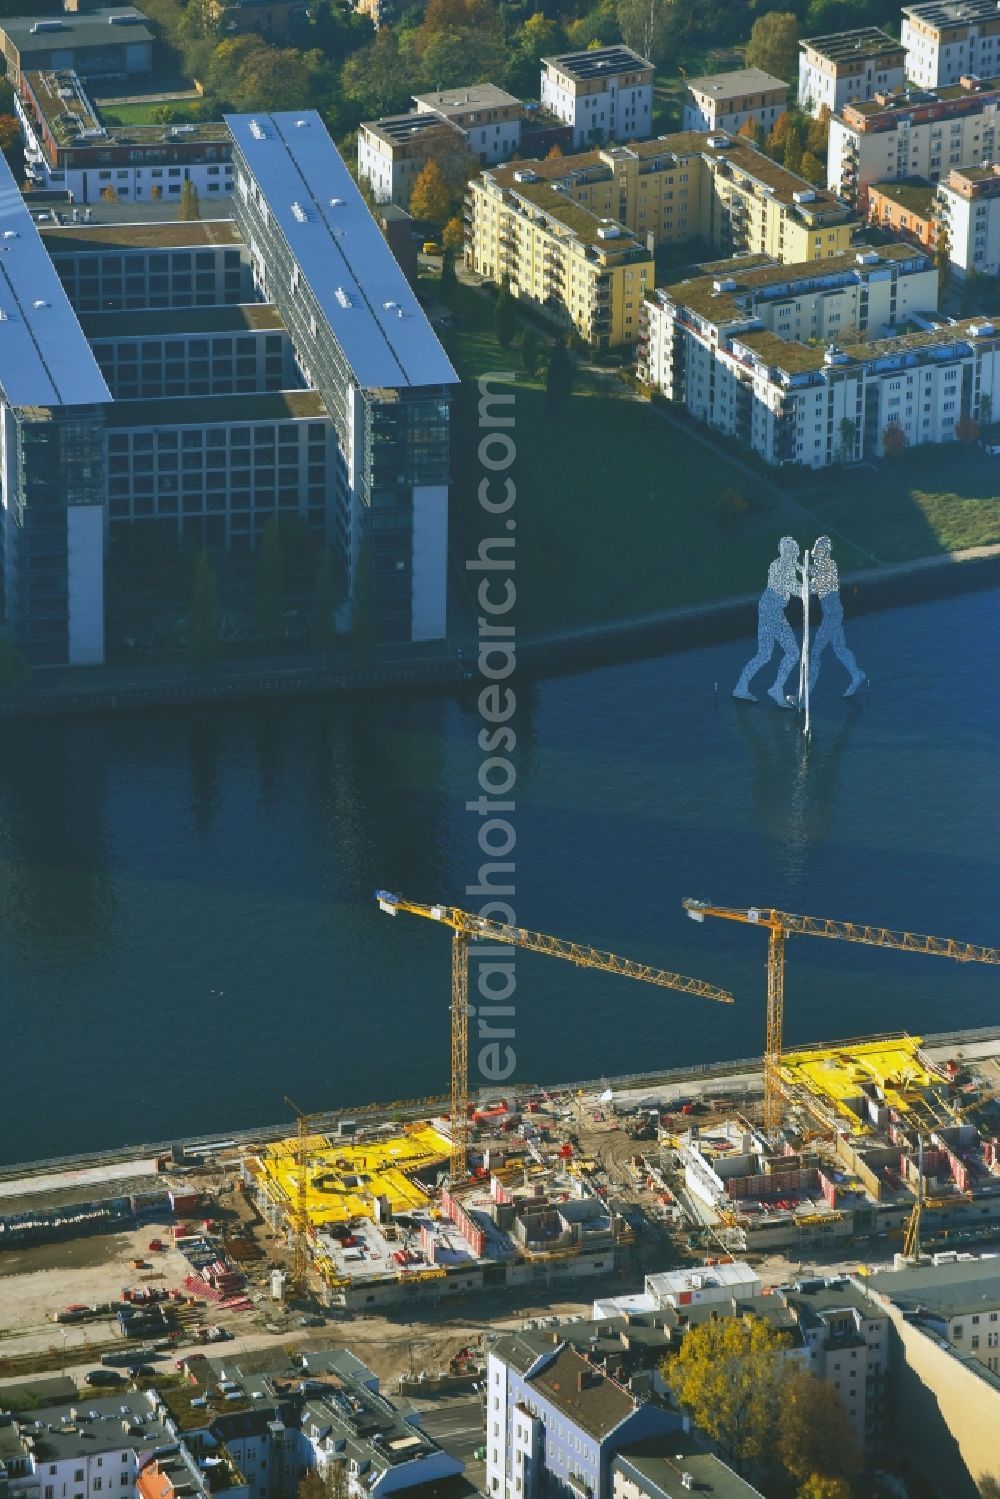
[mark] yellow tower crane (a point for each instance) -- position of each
(299, 1215)
(911, 1236)
(465, 928)
(779, 925)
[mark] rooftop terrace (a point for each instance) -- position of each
(73, 119)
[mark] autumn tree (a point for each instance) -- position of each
(430, 198)
(190, 208)
(779, 132)
(942, 253)
(554, 152)
(376, 78)
(817, 1486)
(893, 440)
(311, 1486)
(729, 1376)
(109, 194)
(753, 131)
(453, 235)
(811, 168)
(818, 133)
(967, 429)
(11, 144)
(815, 1434)
(793, 152)
(774, 44)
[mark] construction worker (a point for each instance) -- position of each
(773, 627)
(824, 582)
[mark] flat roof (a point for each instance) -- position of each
(466, 100)
(597, 62)
(203, 411)
(735, 85)
(92, 1423)
(75, 120)
(401, 128)
(247, 317)
(45, 359)
(172, 235)
(658, 1465)
(862, 41)
(912, 193)
(93, 28)
(702, 294)
(949, 1290)
(952, 12)
(340, 251)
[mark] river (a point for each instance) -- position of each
(186, 919)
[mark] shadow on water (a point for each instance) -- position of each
(55, 890)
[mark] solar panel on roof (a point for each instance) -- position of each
(340, 251)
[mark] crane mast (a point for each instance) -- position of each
(467, 927)
(781, 925)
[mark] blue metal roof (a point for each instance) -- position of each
(340, 251)
(45, 360)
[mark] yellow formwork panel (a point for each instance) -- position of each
(837, 1075)
(343, 1179)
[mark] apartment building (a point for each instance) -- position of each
(609, 209)
(948, 39)
(671, 1467)
(967, 208)
(728, 101)
(900, 136)
(846, 66)
(846, 1340)
(817, 378)
(945, 1361)
(488, 117)
(107, 42)
(68, 148)
(907, 209)
(554, 1421)
(605, 94)
(393, 151)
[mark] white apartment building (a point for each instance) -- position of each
(945, 39)
(844, 66)
(894, 138)
(733, 351)
(605, 94)
(393, 151)
(728, 101)
(846, 1339)
(489, 118)
(968, 205)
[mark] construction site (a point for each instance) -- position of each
(859, 1151)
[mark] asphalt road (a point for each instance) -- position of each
(456, 1424)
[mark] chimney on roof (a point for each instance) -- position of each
(581, 1380)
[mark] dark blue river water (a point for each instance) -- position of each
(186, 924)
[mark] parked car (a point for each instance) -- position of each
(104, 1377)
(431, 247)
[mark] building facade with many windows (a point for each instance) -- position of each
(808, 372)
(605, 94)
(573, 231)
(946, 40)
(847, 66)
(363, 342)
(68, 148)
(896, 137)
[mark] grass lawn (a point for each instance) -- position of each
(938, 499)
(142, 114)
(616, 510)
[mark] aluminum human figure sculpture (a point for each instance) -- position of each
(824, 582)
(773, 627)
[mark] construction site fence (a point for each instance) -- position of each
(418, 1108)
